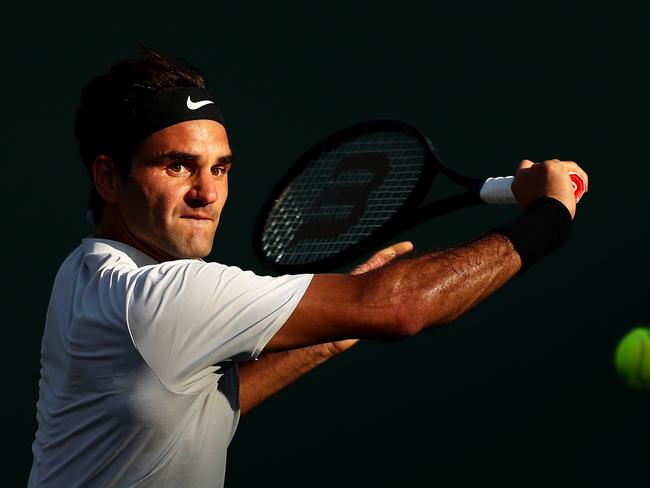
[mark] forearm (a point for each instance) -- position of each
(405, 297)
(399, 299)
(436, 288)
(274, 370)
(259, 380)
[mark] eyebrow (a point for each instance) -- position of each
(188, 157)
(227, 159)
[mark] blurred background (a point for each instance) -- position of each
(521, 391)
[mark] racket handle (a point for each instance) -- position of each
(498, 191)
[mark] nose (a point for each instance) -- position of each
(203, 191)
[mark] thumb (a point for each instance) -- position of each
(384, 256)
(525, 164)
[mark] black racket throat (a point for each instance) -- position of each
(350, 193)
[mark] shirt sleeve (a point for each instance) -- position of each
(186, 316)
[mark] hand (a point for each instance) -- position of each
(548, 179)
(377, 260)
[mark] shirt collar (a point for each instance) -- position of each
(94, 245)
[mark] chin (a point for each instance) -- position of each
(197, 250)
(194, 245)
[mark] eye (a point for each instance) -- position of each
(218, 170)
(177, 169)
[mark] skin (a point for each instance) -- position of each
(406, 297)
(275, 370)
(170, 209)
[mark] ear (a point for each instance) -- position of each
(106, 175)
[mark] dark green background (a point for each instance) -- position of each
(521, 391)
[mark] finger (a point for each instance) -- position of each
(582, 174)
(391, 252)
(585, 177)
(337, 347)
(384, 256)
(398, 249)
(574, 167)
(377, 260)
(525, 164)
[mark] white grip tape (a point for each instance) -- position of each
(497, 190)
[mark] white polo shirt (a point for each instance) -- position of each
(139, 381)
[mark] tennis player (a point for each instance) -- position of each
(150, 354)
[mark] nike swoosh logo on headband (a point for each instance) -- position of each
(196, 105)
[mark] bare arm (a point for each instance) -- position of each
(457, 280)
(258, 380)
(400, 299)
(396, 300)
(405, 297)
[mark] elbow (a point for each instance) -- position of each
(406, 329)
(406, 322)
(395, 314)
(411, 319)
(398, 310)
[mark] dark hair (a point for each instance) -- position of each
(106, 102)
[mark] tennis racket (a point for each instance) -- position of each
(355, 190)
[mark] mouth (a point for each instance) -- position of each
(197, 217)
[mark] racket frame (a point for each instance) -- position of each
(405, 217)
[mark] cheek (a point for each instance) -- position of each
(166, 200)
(223, 192)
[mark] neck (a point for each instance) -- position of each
(112, 226)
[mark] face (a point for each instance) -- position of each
(171, 206)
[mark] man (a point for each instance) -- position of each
(147, 355)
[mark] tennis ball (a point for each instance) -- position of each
(632, 358)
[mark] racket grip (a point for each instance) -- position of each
(498, 191)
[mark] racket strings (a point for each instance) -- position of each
(343, 194)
